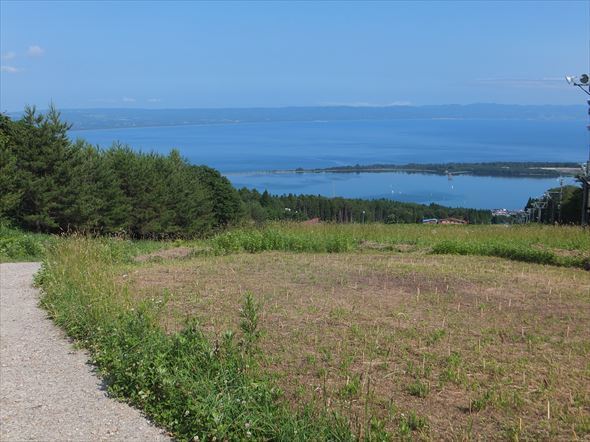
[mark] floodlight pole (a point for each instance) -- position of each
(583, 82)
(585, 179)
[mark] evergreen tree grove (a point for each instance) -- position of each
(51, 184)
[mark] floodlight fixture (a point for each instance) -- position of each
(583, 82)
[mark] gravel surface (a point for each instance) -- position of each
(48, 391)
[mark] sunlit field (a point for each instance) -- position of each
(340, 332)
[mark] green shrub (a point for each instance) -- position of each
(16, 245)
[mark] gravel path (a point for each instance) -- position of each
(47, 390)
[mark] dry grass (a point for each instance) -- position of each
(160, 255)
(481, 347)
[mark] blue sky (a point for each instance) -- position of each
(184, 54)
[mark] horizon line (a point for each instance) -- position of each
(316, 106)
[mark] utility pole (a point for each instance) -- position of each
(583, 82)
(560, 200)
(585, 179)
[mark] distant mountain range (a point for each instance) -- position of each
(125, 118)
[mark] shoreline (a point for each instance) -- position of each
(535, 170)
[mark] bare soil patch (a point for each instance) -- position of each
(480, 347)
(173, 253)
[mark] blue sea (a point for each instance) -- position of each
(247, 153)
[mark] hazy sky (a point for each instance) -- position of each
(167, 55)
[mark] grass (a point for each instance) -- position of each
(505, 249)
(19, 246)
(564, 246)
(337, 332)
(16, 245)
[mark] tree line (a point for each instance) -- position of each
(49, 183)
(538, 169)
(263, 206)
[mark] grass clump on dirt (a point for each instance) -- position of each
(197, 387)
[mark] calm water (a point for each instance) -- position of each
(464, 191)
(236, 149)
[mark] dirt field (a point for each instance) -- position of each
(441, 347)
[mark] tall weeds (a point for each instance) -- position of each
(562, 246)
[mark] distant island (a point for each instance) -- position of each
(491, 169)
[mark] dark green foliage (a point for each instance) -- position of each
(38, 155)
(562, 205)
(10, 191)
(261, 207)
(571, 207)
(222, 197)
(49, 184)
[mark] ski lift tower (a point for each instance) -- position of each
(583, 82)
